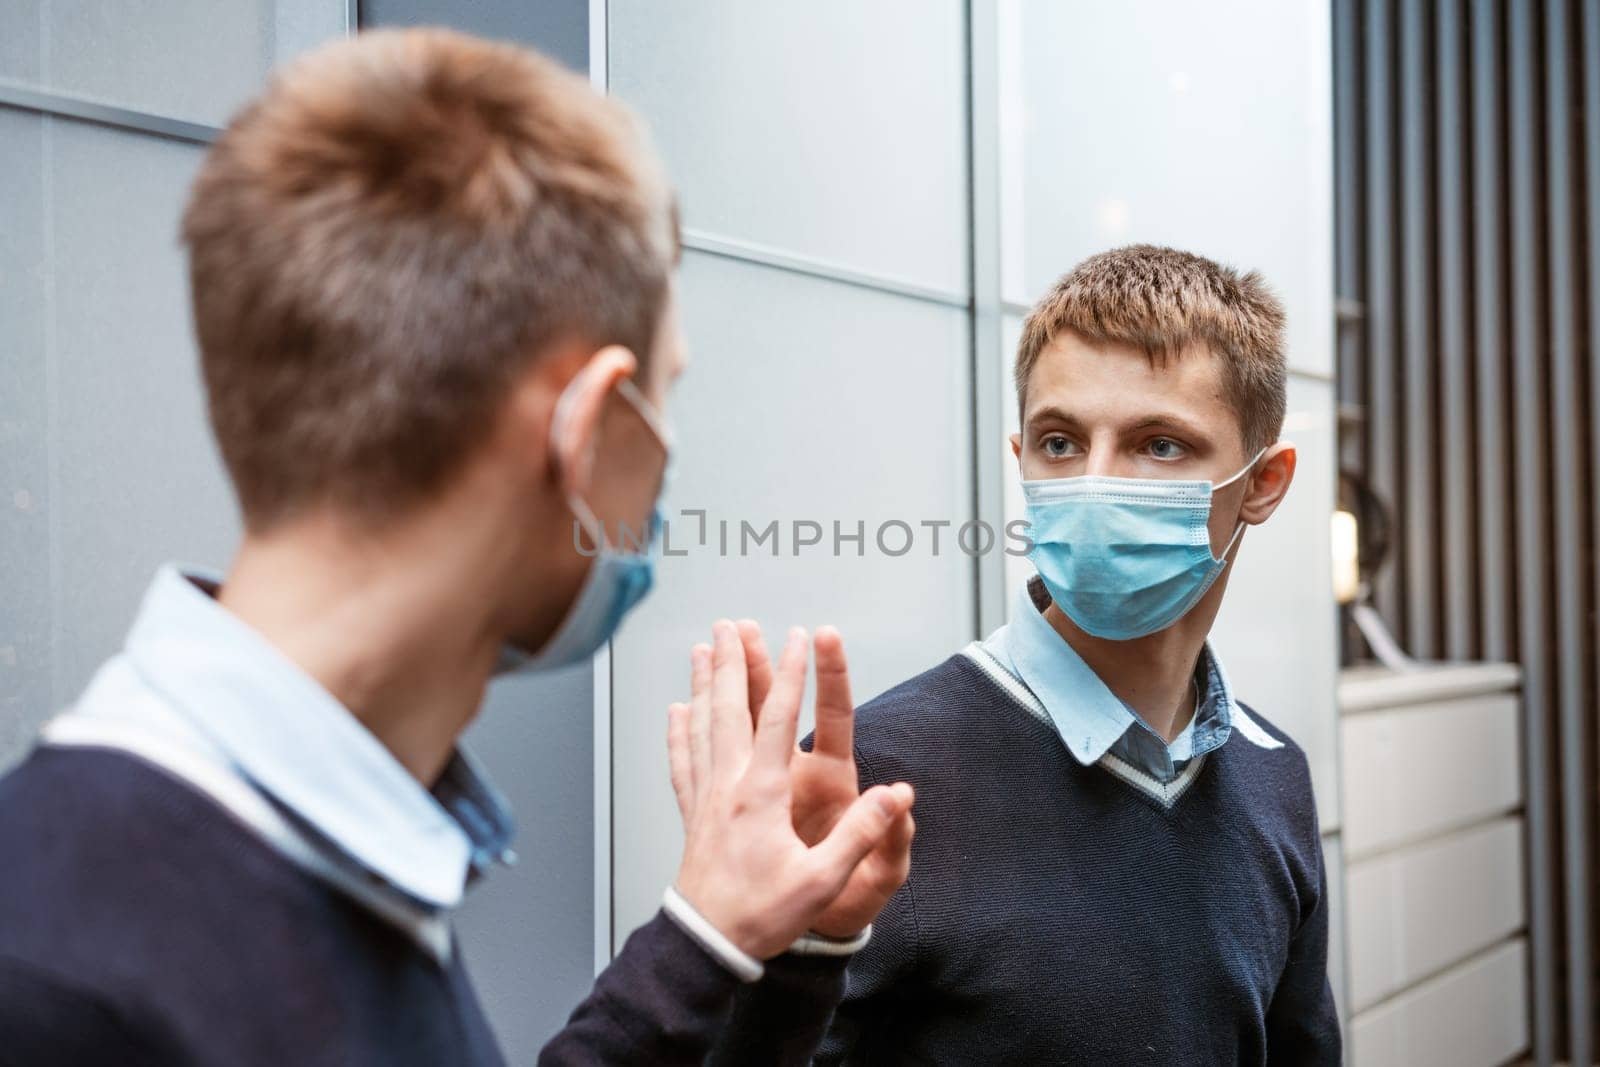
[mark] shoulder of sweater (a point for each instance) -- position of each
(908, 729)
(1284, 772)
(1296, 755)
(67, 816)
(45, 1018)
(905, 706)
(1267, 725)
(98, 790)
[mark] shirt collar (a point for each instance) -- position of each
(1090, 718)
(293, 741)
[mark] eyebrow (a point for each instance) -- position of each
(1161, 420)
(1051, 413)
(1167, 420)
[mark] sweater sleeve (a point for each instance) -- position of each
(780, 1019)
(824, 1009)
(1302, 1023)
(662, 1001)
(44, 1020)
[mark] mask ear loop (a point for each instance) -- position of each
(647, 411)
(587, 520)
(1242, 471)
(1238, 531)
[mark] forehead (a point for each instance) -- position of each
(1107, 380)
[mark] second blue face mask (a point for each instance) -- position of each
(1125, 557)
(618, 579)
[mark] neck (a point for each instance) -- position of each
(398, 627)
(1153, 675)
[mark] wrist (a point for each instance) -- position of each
(713, 941)
(814, 943)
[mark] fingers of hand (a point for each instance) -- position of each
(681, 759)
(731, 728)
(860, 830)
(780, 716)
(757, 661)
(700, 752)
(896, 847)
(835, 712)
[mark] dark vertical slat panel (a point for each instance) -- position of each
(1455, 355)
(1566, 431)
(1383, 416)
(1488, 335)
(1591, 187)
(1495, 566)
(1347, 213)
(1591, 193)
(1531, 510)
(1419, 447)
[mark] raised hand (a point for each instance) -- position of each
(825, 783)
(746, 869)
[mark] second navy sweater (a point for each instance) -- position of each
(1057, 914)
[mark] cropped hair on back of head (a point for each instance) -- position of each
(387, 237)
(1164, 301)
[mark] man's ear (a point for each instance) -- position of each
(1016, 446)
(575, 423)
(1265, 488)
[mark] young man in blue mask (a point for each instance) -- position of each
(432, 288)
(1117, 861)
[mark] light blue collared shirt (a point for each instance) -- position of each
(196, 681)
(1092, 720)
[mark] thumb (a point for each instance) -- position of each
(862, 828)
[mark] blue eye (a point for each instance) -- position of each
(1166, 448)
(1057, 446)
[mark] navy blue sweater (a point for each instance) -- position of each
(140, 924)
(1057, 914)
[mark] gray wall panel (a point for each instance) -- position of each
(526, 929)
(25, 501)
(137, 478)
(188, 59)
(558, 28)
(831, 129)
(804, 400)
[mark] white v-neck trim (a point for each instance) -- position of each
(1165, 793)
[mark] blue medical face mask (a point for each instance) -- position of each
(619, 577)
(1125, 557)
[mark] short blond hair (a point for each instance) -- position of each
(1163, 301)
(378, 244)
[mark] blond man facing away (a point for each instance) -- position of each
(432, 287)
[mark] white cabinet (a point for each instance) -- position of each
(1433, 844)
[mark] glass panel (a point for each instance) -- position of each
(528, 930)
(188, 59)
(1018, 568)
(805, 400)
(1283, 584)
(25, 694)
(1205, 126)
(136, 477)
(787, 125)
(559, 28)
